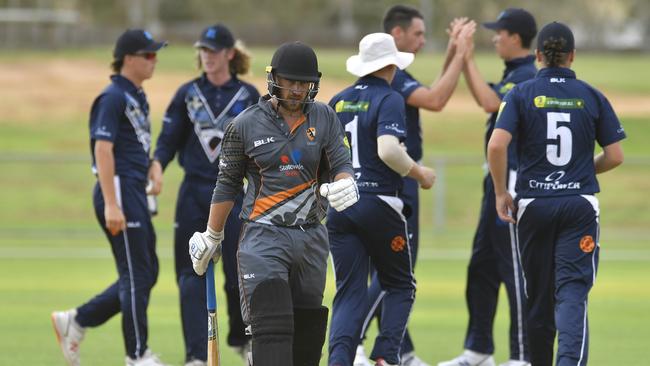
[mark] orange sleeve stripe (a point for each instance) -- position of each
(264, 204)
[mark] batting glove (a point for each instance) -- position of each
(204, 247)
(341, 194)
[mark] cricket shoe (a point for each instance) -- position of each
(410, 359)
(515, 363)
(69, 334)
(147, 359)
(196, 362)
(360, 358)
(470, 358)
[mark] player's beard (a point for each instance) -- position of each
(291, 105)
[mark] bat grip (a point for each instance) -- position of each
(209, 288)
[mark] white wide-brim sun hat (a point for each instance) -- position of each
(377, 50)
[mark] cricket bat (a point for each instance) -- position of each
(213, 331)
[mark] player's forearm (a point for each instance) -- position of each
(497, 156)
(449, 55)
(481, 91)
(219, 212)
(442, 89)
(168, 142)
(609, 158)
(105, 163)
(498, 163)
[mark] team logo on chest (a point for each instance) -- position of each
(209, 129)
(311, 133)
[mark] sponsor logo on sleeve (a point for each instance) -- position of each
(102, 132)
(395, 127)
(409, 84)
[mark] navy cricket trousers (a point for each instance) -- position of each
(558, 239)
(373, 229)
(494, 261)
(192, 210)
(410, 195)
(134, 251)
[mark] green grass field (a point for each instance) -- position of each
(53, 256)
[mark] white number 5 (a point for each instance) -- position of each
(558, 154)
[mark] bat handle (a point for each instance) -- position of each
(209, 288)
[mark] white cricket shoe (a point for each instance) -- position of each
(147, 359)
(470, 358)
(69, 334)
(196, 363)
(515, 363)
(410, 359)
(360, 358)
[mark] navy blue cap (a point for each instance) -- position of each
(216, 37)
(515, 20)
(133, 41)
(556, 31)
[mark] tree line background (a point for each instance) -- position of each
(598, 25)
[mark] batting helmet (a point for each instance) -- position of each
(294, 61)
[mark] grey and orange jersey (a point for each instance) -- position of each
(283, 166)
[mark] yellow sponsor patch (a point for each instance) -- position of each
(346, 142)
(506, 88)
(542, 101)
(352, 107)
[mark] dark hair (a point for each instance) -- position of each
(400, 16)
(526, 40)
(552, 52)
(117, 64)
(240, 63)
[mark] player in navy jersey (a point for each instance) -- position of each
(494, 256)
(406, 25)
(120, 141)
(555, 120)
(373, 116)
(193, 126)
